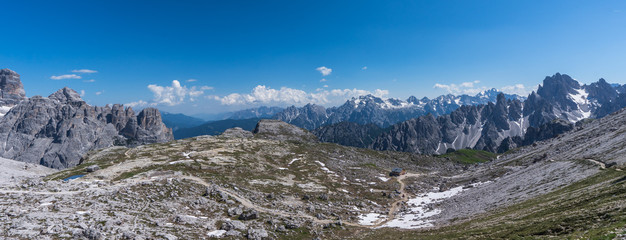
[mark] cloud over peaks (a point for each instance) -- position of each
(176, 93)
(263, 95)
(471, 88)
(65, 76)
(324, 70)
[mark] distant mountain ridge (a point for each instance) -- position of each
(382, 112)
(177, 121)
(260, 112)
(362, 110)
(216, 127)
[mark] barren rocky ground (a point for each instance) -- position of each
(264, 186)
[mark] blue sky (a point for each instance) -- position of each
(247, 53)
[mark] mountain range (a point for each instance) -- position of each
(380, 111)
(556, 105)
(364, 110)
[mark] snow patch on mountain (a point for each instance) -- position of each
(584, 108)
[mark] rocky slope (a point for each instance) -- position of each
(277, 184)
(349, 134)
(58, 130)
(11, 90)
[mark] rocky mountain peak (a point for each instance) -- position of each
(558, 85)
(66, 95)
(11, 88)
(148, 117)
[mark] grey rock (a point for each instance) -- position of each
(235, 211)
(279, 130)
(57, 131)
(233, 225)
(216, 193)
(292, 224)
(323, 197)
(185, 219)
(233, 233)
(93, 168)
(257, 233)
(249, 214)
(11, 88)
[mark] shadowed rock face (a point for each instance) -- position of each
(57, 131)
(279, 130)
(11, 90)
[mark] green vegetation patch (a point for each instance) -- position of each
(469, 156)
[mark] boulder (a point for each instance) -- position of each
(93, 168)
(233, 225)
(257, 233)
(249, 214)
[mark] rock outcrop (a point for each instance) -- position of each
(11, 90)
(58, 130)
(237, 132)
(282, 131)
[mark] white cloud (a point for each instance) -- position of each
(325, 86)
(289, 96)
(468, 88)
(323, 80)
(469, 84)
(66, 76)
(471, 88)
(140, 103)
(99, 92)
(192, 80)
(364, 68)
(324, 70)
(89, 81)
(84, 71)
(518, 89)
(82, 93)
(175, 94)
